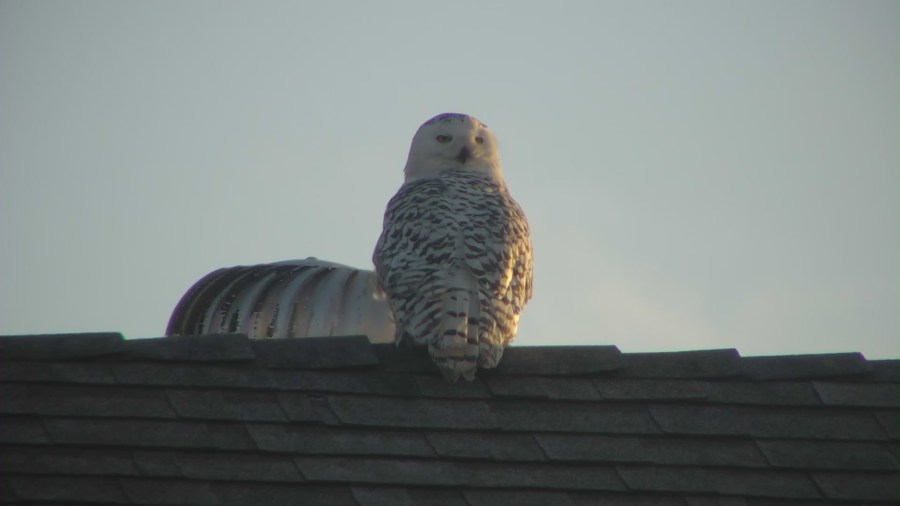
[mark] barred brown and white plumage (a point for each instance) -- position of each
(455, 255)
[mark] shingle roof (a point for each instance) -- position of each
(222, 420)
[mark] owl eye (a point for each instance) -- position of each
(443, 138)
(479, 139)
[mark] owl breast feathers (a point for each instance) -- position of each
(455, 256)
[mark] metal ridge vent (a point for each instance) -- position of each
(294, 298)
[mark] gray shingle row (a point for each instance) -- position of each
(374, 382)
(105, 403)
(356, 351)
(484, 445)
(148, 491)
(194, 470)
(136, 433)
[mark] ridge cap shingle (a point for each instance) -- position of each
(315, 352)
(690, 364)
(805, 366)
(202, 348)
(60, 346)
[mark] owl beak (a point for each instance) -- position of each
(463, 155)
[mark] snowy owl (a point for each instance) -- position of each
(454, 257)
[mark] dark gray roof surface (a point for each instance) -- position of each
(224, 420)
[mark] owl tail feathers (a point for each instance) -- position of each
(455, 351)
(489, 354)
(455, 361)
(455, 355)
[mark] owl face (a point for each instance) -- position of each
(452, 142)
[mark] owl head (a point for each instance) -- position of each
(452, 141)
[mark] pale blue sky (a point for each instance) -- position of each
(698, 174)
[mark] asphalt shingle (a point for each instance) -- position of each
(254, 494)
(412, 412)
(143, 491)
(486, 445)
(559, 360)
(895, 449)
(838, 455)
(57, 372)
(434, 386)
(67, 490)
(629, 499)
(387, 471)
(682, 364)
(226, 420)
(60, 346)
(345, 382)
(735, 501)
(836, 365)
(300, 407)
(216, 405)
(544, 476)
(437, 497)
(856, 486)
(67, 461)
(382, 496)
(887, 371)
(879, 395)
(760, 422)
(652, 450)
(174, 374)
(315, 352)
(26, 399)
(750, 482)
(23, 430)
(543, 387)
(305, 440)
(535, 498)
(227, 348)
(615, 389)
(767, 393)
(890, 422)
(147, 433)
(532, 416)
(217, 466)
